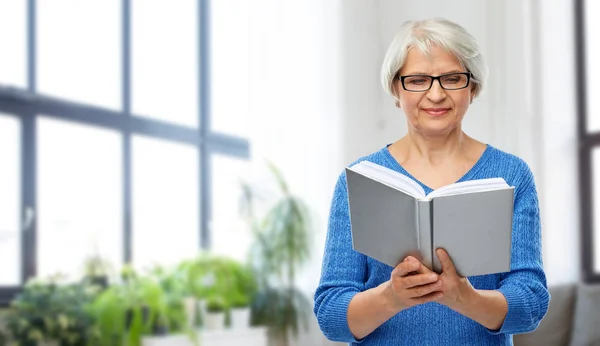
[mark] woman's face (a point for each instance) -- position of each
(435, 111)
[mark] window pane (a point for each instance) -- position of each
(164, 60)
(230, 67)
(10, 201)
(79, 50)
(592, 50)
(13, 40)
(79, 196)
(165, 201)
(226, 223)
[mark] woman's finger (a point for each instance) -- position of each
(405, 267)
(418, 280)
(420, 291)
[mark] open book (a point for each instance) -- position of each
(392, 217)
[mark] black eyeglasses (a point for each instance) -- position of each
(449, 81)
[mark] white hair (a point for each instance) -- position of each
(424, 34)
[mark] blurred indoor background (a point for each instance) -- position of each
(130, 130)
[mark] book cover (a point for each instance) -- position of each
(391, 218)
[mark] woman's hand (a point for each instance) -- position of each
(457, 290)
(411, 283)
(487, 307)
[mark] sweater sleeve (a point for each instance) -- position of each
(524, 287)
(343, 272)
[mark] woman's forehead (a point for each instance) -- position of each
(435, 60)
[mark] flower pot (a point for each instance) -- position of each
(160, 330)
(189, 305)
(101, 281)
(129, 315)
(214, 320)
(47, 343)
(201, 306)
(240, 318)
(201, 312)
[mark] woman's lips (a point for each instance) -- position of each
(436, 111)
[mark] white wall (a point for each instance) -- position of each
(359, 63)
(558, 159)
(295, 107)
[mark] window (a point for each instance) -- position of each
(164, 65)
(226, 223)
(588, 72)
(106, 143)
(79, 184)
(82, 64)
(165, 201)
(10, 201)
(230, 48)
(13, 34)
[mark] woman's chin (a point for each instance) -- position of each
(436, 128)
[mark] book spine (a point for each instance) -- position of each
(424, 228)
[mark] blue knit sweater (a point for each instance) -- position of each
(346, 272)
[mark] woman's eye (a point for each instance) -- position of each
(454, 79)
(417, 81)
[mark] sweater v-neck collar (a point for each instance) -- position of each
(468, 175)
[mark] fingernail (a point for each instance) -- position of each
(432, 277)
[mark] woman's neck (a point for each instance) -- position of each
(433, 149)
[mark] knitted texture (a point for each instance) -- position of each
(346, 272)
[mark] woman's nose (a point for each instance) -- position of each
(436, 93)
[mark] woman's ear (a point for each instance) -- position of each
(397, 94)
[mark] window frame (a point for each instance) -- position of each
(587, 142)
(27, 105)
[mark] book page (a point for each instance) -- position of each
(390, 177)
(469, 186)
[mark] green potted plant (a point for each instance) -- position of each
(215, 314)
(280, 249)
(161, 325)
(3, 338)
(240, 293)
(188, 274)
(97, 270)
(128, 310)
(52, 312)
(109, 311)
(240, 311)
(208, 279)
(173, 317)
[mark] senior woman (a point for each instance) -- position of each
(434, 70)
